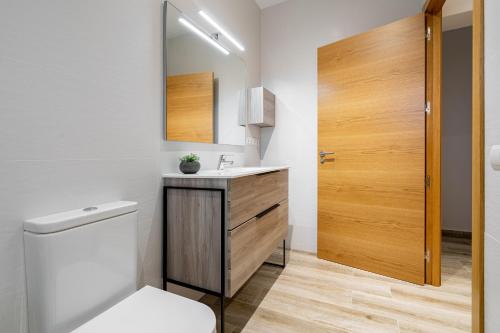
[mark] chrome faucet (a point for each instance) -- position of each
(223, 161)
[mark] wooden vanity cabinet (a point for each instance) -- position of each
(262, 108)
(251, 195)
(255, 223)
(251, 243)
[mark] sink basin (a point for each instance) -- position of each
(226, 173)
(230, 171)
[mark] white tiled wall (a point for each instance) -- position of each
(492, 285)
(80, 110)
(81, 119)
(209, 154)
(492, 177)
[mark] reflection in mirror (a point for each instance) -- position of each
(205, 88)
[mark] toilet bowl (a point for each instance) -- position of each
(153, 310)
(81, 273)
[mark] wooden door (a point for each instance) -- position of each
(371, 193)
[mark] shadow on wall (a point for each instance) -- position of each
(267, 132)
(265, 139)
(150, 254)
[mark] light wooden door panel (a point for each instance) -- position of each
(371, 195)
(385, 150)
(374, 190)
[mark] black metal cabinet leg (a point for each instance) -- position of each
(283, 265)
(222, 260)
(164, 240)
(222, 314)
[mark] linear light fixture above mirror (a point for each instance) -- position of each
(203, 35)
(221, 30)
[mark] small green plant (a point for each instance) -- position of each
(190, 158)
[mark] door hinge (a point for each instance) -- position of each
(427, 255)
(428, 33)
(428, 181)
(428, 107)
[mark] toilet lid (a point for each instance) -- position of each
(152, 310)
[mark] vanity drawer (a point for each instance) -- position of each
(270, 188)
(251, 195)
(251, 243)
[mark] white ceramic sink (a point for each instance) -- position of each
(226, 173)
(230, 171)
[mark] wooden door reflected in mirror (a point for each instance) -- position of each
(190, 105)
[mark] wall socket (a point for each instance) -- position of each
(252, 141)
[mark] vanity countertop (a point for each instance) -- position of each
(227, 173)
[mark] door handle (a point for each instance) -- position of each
(323, 154)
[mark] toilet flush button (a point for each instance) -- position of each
(495, 157)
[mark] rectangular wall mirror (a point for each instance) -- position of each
(205, 88)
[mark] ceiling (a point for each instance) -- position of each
(268, 3)
(456, 13)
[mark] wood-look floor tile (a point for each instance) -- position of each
(314, 295)
(426, 327)
(269, 321)
(434, 298)
(339, 316)
(410, 311)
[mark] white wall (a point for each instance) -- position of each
(242, 19)
(454, 7)
(81, 116)
(457, 130)
(457, 14)
(492, 137)
(80, 110)
(291, 33)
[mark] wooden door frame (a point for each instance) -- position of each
(433, 149)
(478, 167)
(433, 10)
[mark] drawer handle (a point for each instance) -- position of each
(267, 211)
(267, 173)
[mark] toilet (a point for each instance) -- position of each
(81, 272)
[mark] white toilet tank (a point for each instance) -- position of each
(78, 264)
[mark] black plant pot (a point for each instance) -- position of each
(189, 167)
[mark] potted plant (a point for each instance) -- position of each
(190, 164)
